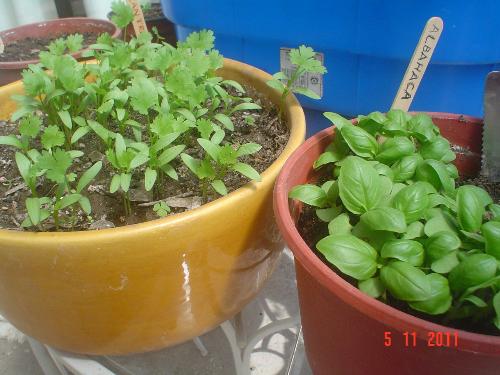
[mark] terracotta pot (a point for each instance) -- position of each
(345, 330)
(10, 71)
(150, 285)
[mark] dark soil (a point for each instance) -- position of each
(312, 230)
(29, 48)
(154, 12)
(268, 131)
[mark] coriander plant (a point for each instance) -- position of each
(399, 225)
(304, 61)
(146, 107)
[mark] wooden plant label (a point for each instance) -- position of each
(2, 46)
(139, 23)
(418, 64)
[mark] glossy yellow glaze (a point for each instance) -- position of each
(151, 285)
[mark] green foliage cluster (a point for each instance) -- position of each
(398, 223)
(304, 61)
(147, 103)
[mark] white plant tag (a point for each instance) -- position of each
(2, 46)
(311, 81)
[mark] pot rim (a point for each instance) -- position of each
(335, 284)
(116, 32)
(296, 121)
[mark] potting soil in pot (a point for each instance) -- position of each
(265, 128)
(29, 48)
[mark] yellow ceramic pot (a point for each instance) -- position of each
(151, 285)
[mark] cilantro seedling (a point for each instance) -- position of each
(161, 209)
(122, 16)
(144, 105)
(304, 61)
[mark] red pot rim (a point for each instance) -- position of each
(337, 285)
(114, 31)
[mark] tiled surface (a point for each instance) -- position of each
(272, 356)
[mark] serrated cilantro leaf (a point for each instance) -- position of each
(203, 40)
(55, 164)
(143, 95)
(74, 42)
(30, 126)
(304, 57)
(122, 14)
(52, 137)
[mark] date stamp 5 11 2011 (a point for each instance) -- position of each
(434, 339)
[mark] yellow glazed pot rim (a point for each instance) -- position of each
(294, 114)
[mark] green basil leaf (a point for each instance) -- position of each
(359, 186)
(439, 300)
(350, 255)
(476, 301)
(331, 188)
(372, 123)
(328, 214)
(394, 149)
(495, 211)
(436, 149)
(340, 225)
(435, 173)
(405, 282)
(481, 194)
(331, 155)
(440, 244)
(405, 250)
(472, 271)
(396, 123)
(440, 222)
(385, 218)
(422, 127)
(470, 209)
(337, 120)
(405, 168)
(446, 263)
(452, 170)
(412, 200)
(373, 287)
(496, 307)
(384, 170)
(414, 230)
(491, 234)
(360, 141)
(309, 194)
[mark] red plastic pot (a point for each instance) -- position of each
(10, 71)
(349, 333)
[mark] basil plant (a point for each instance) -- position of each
(397, 222)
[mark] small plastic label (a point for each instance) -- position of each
(311, 81)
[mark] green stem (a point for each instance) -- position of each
(204, 190)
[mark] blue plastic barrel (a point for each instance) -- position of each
(367, 45)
